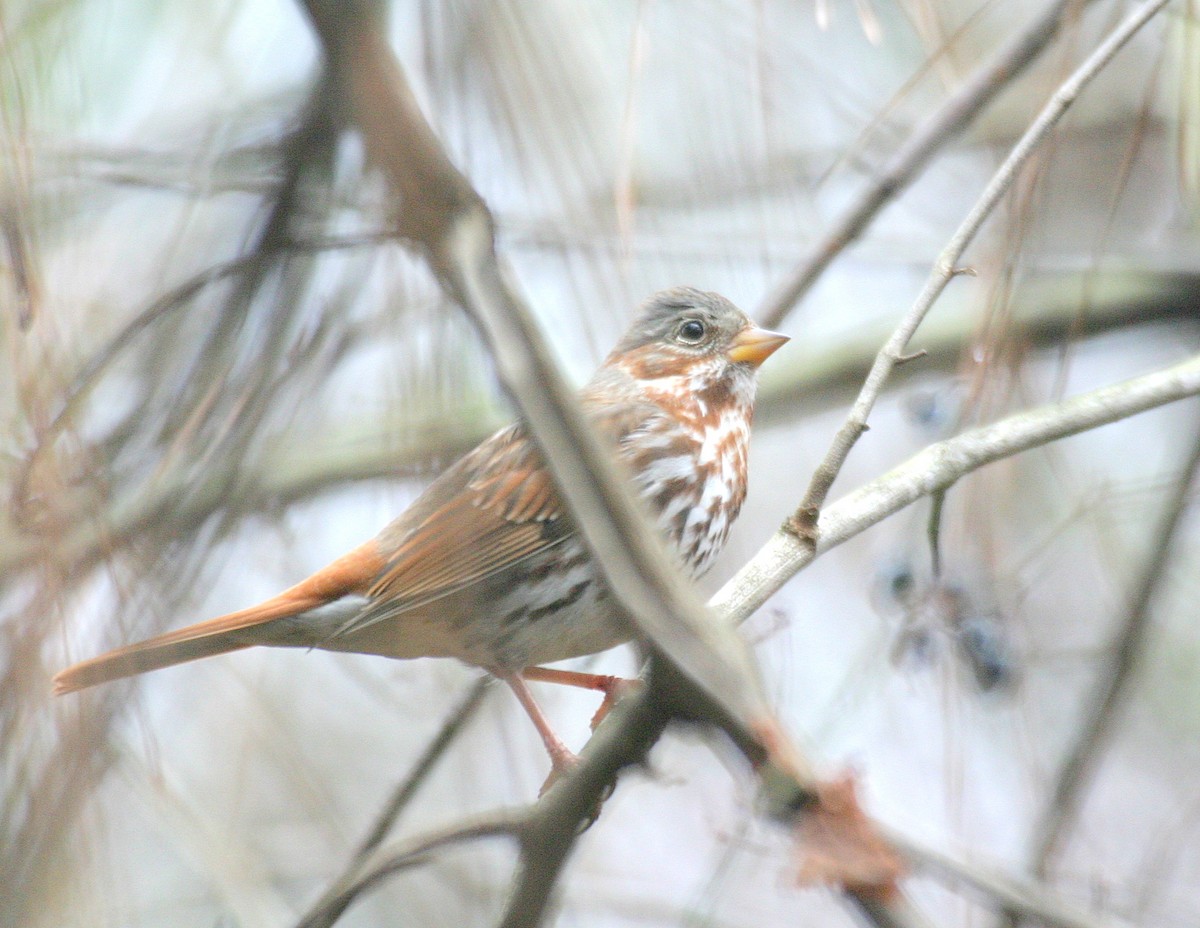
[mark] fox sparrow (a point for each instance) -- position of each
(485, 565)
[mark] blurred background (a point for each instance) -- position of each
(220, 371)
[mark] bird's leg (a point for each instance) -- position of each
(562, 758)
(612, 687)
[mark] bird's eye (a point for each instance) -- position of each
(691, 332)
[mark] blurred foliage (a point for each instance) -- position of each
(220, 370)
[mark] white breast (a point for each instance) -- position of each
(689, 463)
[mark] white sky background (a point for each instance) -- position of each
(627, 147)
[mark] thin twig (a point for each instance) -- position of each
(391, 859)
(282, 477)
(424, 766)
(335, 899)
(947, 265)
(995, 888)
(1100, 708)
(830, 371)
(162, 307)
(944, 125)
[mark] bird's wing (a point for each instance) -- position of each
(502, 509)
(494, 509)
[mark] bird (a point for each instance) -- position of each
(485, 566)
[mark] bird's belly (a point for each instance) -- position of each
(549, 608)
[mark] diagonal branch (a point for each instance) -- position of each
(997, 889)
(633, 727)
(390, 859)
(941, 465)
(1112, 685)
(803, 521)
(717, 679)
(442, 214)
(360, 872)
(944, 125)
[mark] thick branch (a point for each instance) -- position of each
(443, 214)
(625, 738)
(941, 465)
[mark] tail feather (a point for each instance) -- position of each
(204, 639)
(346, 575)
(140, 658)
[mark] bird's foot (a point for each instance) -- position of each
(562, 761)
(614, 692)
(612, 687)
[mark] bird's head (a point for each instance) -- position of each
(689, 341)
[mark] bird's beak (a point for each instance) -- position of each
(754, 345)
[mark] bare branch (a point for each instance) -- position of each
(938, 467)
(1100, 707)
(285, 475)
(391, 859)
(995, 888)
(443, 214)
(162, 307)
(626, 736)
(945, 266)
(831, 369)
(446, 218)
(424, 766)
(336, 898)
(895, 913)
(943, 126)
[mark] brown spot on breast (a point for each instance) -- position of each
(670, 489)
(709, 404)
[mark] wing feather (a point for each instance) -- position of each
(492, 510)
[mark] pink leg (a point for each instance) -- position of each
(561, 757)
(612, 687)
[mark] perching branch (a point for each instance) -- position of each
(625, 738)
(947, 265)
